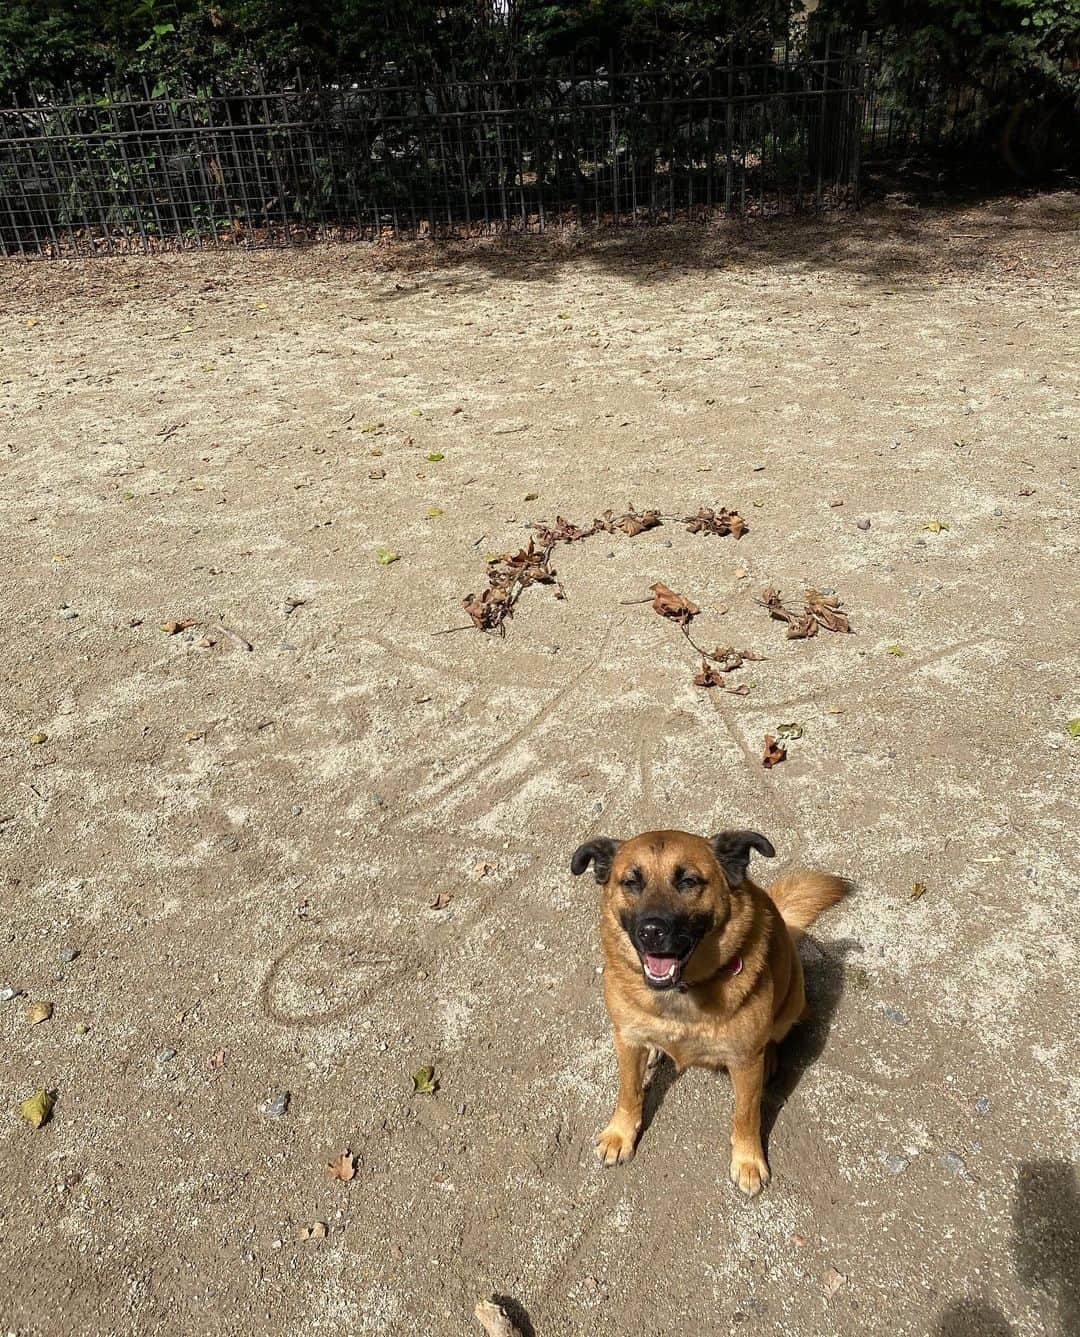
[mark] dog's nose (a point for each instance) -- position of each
(654, 933)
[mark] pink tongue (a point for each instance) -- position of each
(660, 965)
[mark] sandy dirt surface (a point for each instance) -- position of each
(243, 846)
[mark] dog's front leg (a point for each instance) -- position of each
(616, 1143)
(749, 1169)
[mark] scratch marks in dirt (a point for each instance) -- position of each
(319, 980)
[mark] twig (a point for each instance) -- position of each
(235, 637)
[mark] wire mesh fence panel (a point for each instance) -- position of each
(131, 169)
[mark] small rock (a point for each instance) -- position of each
(982, 1105)
(895, 1015)
(954, 1164)
(66, 615)
(378, 800)
(896, 1165)
(862, 524)
(296, 810)
(69, 954)
(230, 844)
(166, 1055)
(82, 1028)
(998, 511)
(920, 543)
(277, 1105)
(8, 992)
(598, 806)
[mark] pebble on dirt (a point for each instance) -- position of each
(954, 1164)
(276, 1105)
(69, 954)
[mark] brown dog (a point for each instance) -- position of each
(701, 964)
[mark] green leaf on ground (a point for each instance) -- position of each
(37, 1111)
(384, 556)
(425, 1082)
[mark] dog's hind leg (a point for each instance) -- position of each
(615, 1145)
(749, 1169)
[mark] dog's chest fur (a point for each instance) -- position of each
(694, 1032)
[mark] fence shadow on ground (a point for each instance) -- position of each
(1046, 1253)
(896, 239)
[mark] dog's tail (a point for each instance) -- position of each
(802, 896)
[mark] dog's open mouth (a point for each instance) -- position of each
(662, 972)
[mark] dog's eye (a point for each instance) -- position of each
(633, 884)
(688, 883)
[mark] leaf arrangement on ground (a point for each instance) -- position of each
(510, 575)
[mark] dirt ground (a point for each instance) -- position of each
(243, 847)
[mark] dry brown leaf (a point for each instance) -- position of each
(721, 522)
(562, 531)
(182, 624)
(342, 1167)
(826, 611)
(918, 891)
(709, 676)
(38, 1012)
(774, 753)
(633, 522)
(669, 604)
(318, 1230)
(798, 628)
(216, 1060)
(483, 868)
(508, 576)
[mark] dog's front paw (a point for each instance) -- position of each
(615, 1145)
(749, 1172)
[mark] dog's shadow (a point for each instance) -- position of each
(825, 972)
(824, 968)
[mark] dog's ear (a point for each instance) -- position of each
(600, 853)
(732, 850)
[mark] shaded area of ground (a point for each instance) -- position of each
(243, 847)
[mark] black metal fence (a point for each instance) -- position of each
(138, 169)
